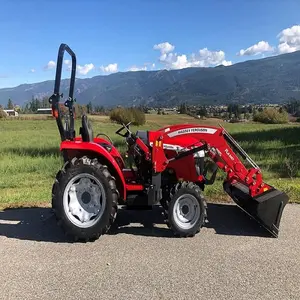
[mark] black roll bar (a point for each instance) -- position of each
(55, 98)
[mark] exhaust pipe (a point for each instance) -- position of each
(265, 208)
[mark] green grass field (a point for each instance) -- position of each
(30, 157)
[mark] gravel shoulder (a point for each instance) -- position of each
(231, 258)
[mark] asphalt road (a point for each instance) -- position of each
(231, 258)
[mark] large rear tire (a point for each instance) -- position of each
(84, 199)
(186, 209)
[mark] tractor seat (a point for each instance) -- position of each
(143, 135)
(86, 130)
(87, 134)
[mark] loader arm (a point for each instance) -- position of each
(219, 147)
(244, 185)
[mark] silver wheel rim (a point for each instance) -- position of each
(84, 200)
(186, 211)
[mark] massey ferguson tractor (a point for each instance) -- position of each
(170, 170)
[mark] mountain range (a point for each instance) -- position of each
(269, 80)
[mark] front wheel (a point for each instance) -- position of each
(85, 199)
(186, 210)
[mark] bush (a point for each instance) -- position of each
(126, 115)
(2, 114)
(271, 116)
(80, 110)
(234, 120)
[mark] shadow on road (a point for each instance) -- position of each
(38, 224)
(33, 224)
(231, 220)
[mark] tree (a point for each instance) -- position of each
(144, 108)
(234, 109)
(125, 115)
(202, 111)
(45, 102)
(183, 108)
(247, 116)
(89, 107)
(2, 114)
(271, 115)
(80, 110)
(10, 104)
(293, 107)
(33, 105)
(99, 109)
(17, 108)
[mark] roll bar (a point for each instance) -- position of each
(69, 132)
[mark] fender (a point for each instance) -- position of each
(71, 147)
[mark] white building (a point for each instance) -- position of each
(44, 111)
(11, 112)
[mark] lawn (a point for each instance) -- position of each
(30, 158)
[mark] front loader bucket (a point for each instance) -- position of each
(266, 208)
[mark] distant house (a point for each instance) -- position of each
(11, 112)
(44, 111)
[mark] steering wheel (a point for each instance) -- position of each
(127, 133)
(105, 136)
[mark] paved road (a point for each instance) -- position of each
(230, 259)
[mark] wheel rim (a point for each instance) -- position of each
(84, 200)
(186, 211)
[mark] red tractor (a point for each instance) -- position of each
(170, 171)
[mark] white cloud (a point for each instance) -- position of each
(259, 48)
(32, 71)
(83, 70)
(165, 47)
(212, 58)
(226, 63)
(50, 65)
(204, 58)
(147, 66)
(135, 68)
(110, 68)
(150, 66)
(68, 63)
(289, 39)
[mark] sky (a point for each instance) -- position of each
(131, 35)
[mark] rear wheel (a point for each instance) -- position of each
(186, 209)
(85, 199)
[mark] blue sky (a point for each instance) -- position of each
(110, 36)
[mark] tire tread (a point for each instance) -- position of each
(66, 171)
(166, 204)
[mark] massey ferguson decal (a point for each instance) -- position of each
(192, 130)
